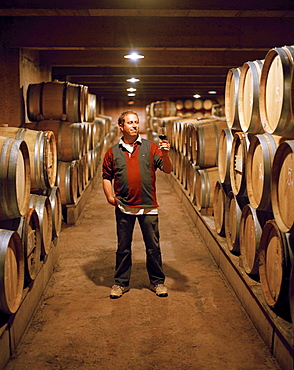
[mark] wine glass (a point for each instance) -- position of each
(162, 133)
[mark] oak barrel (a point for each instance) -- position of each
(238, 163)
(55, 201)
(42, 205)
(75, 102)
(207, 143)
(28, 229)
(251, 224)
(219, 208)
(260, 157)
(15, 182)
(198, 104)
(204, 189)
(276, 92)
(231, 98)
(31, 240)
(248, 97)
(233, 213)
(276, 259)
(91, 107)
(42, 153)
(282, 190)
(67, 182)
(11, 271)
(46, 100)
(224, 155)
(68, 137)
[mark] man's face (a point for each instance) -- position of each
(131, 126)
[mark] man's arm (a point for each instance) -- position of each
(167, 165)
(108, 191)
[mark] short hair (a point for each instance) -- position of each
(121, 118)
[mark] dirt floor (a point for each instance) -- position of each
(200, 325)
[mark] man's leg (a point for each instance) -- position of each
(124, 228)
(150, 232)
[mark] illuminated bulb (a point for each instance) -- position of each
(133, 80)
(133, 56)
(131, 89)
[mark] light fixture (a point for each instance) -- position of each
(131, 94)
(131, 89)
(212, 92)
(134, 56)
(133, 80)
(196, 96)
(131, 102)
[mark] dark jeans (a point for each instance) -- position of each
(149, 226)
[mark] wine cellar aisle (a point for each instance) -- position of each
(200, 324)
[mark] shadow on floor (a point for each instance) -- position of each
(101, 272)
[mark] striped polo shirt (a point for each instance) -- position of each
(133, 173)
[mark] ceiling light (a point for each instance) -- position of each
(212, 92)
(131, 94)
(133, 80)
(131, 89)
(134, 56)
(196, 96)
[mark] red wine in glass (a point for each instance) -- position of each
(162, 133)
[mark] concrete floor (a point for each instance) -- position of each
(200, 325)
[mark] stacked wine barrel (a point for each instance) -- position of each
(69, 112)
(29, 202)
(254, 195)
(195, 107)
(43, 166)
(194, 150)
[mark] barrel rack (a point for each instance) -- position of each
(275, 332)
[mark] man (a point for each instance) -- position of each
(132, 163)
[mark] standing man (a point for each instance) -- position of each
(132, 163)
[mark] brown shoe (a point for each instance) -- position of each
(117, 291)
(160, 290)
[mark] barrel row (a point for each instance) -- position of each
(259, 94)
(195, 107)
(163, 108)
(259, 168)
(252, 208)
(24, 243)
(31, 221)
(195, 138)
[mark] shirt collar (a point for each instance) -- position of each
(138, 140)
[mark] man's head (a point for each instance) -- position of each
(129, 126)
(122, 117)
